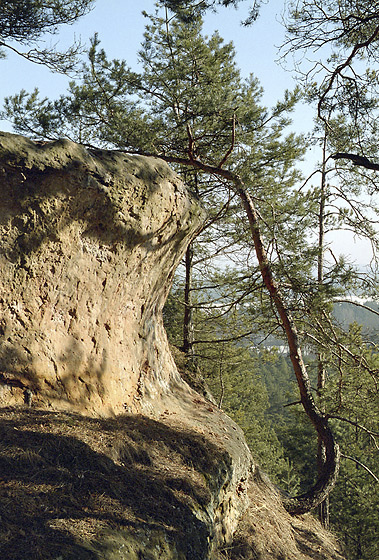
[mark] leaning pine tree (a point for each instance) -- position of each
(190, 107)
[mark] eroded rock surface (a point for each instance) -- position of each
(89, 241)
(105, 452)
(132, 488)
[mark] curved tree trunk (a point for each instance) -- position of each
(328, 475)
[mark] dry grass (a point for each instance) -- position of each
(66, 479)
(76, 488)
(268, 532)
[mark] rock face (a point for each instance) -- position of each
(106, 453)
(89, 242)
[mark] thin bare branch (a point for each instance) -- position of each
(369, 471)
(231, 147)
(357, 304)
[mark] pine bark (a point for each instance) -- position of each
(329, 472)
(188, 310)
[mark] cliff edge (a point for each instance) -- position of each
(89, 242)
(105, 452)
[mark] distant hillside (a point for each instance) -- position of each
(353, 312)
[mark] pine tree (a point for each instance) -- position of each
(183, 111)
(24, 22)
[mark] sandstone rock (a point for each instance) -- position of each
(105, 451)
(132, 488)
(89, 241)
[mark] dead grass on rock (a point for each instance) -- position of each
(69, 483)
(268, 532)
(77, 488)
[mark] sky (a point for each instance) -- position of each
(120, 26)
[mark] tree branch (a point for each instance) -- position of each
(346, 63)
(357, 304)
(327, 478)
(361, 465)
(360, 161)
(231, 147)
(356, 425)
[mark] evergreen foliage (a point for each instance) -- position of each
(232, 372)
(181, 8)
(351, 398)
(189, 100)
(25, 22)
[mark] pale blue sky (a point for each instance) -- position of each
(120, 26)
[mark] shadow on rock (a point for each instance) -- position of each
(80, 488)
